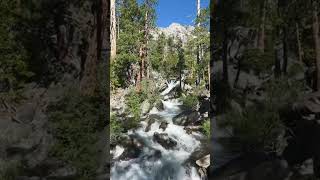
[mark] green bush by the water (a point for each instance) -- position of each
(116, 129)
(190, 101)
(206, 127)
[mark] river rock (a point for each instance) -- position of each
(145, 107)
(155, 156)
(150, 122)
(188, 130)
(302, 120)
(159, 106)
(164, 140)
(204, 162)
(163, 126)
(204, 105)
(133, 149)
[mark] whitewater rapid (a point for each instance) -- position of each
(170, 166)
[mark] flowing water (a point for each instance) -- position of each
(170, 165)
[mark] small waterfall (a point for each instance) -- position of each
(170, 87)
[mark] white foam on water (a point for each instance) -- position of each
(170, 166)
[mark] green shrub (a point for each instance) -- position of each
(74, 122)
(206, 127)
(190, 101)
(256, 129)
(116, 129)
(259, 127)
(258, 61)
(150, 91)
(282, 92)
(133, 102)
(295, 69)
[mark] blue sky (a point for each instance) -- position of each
(180, 11)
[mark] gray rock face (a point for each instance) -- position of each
(175, 30)
(164, 140)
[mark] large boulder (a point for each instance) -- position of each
(303, 121)
(187, 117)
(266, 170)
(164, 140)
(309, 104)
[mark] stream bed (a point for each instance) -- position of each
(157, 162)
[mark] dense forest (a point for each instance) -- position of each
(265, 56)
(53, 89)
(160, 80)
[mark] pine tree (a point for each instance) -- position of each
(316, 38)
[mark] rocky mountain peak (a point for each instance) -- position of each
(175, 30)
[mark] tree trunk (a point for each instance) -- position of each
(103, 58)
(277, 63)
(18, 7)
(198, 11)
(285, 50)
(113, 29)
(315, 27)
(138, 83)
(89, 82)
(225, 57)
(300, 53)
(209, 74)
(142, 55)
(199, 46)
(261, 36)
